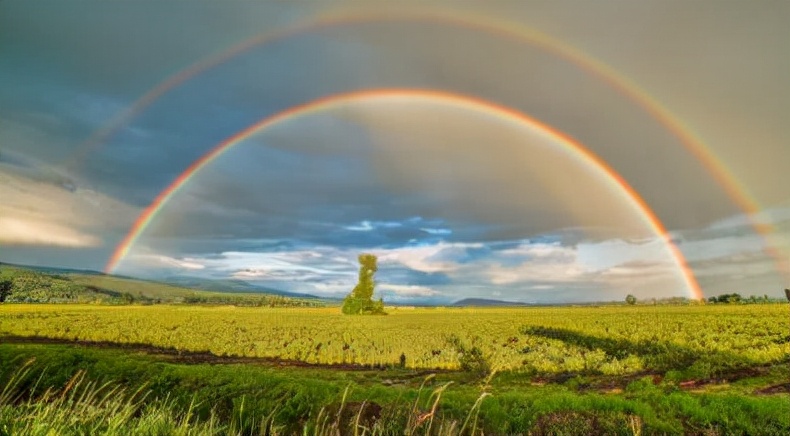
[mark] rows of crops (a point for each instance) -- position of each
(606, 340)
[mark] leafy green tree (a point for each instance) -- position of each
(729, 298)
(5, 289)
(630, 299)
(360, 300)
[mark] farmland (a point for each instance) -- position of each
(596, 340)
(621, 369)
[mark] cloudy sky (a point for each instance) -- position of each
(456, 200)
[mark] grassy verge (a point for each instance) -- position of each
(74, 390)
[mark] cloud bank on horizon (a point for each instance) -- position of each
(455, 203)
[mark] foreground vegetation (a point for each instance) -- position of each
(76, 390)
(242, 365)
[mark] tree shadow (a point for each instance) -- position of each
(657, 355)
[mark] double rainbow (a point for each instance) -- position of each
(572, 147)
(508, 30)
(622, 84)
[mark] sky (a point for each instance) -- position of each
(457, 198)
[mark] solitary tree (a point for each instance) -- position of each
(360, 300)
(630, 299)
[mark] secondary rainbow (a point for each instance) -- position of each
(571, 146)
(619, 82)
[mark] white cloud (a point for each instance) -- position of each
(158, 260)
(18, 231)
(425, 258)
(541, 287)
(364, 226)
(539, 251)
(367, 226)
(437, 231)
(43, 207)
(408, 290)
(287, 262)
(535, 262)
(531, 270)
(249, 274)
(768, 216)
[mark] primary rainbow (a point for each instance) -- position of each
(619, 82)
(571, 146)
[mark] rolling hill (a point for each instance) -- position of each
(59, 285)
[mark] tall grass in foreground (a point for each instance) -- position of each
(84, 407)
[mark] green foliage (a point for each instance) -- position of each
(20, 285)
(728, 298)
(470, 359)
(94, 391)
(630, 299)
(5, 289)
(24, 286)
(360, 300)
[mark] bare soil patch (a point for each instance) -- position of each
(782, 388)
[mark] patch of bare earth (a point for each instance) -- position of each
(782, 388)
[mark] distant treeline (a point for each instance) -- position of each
(733, 298)
(19, 285)
(736, 298)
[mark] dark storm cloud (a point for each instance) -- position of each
(123, 48)
(629, 140)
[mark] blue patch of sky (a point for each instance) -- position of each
(402, 275)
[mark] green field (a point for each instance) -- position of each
(616, 340)
(697, 369)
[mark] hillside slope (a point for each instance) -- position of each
(44, 285)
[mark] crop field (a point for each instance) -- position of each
(693, 369)
(700, 340)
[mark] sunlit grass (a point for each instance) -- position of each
(84, 407)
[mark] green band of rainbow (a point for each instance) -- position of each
(568, 144)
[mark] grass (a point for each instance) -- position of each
(83, 406)
(114, 392)
(197, 369)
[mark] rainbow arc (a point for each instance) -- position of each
(572, 147)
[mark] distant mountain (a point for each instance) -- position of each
(230, 285)
(485, 302)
